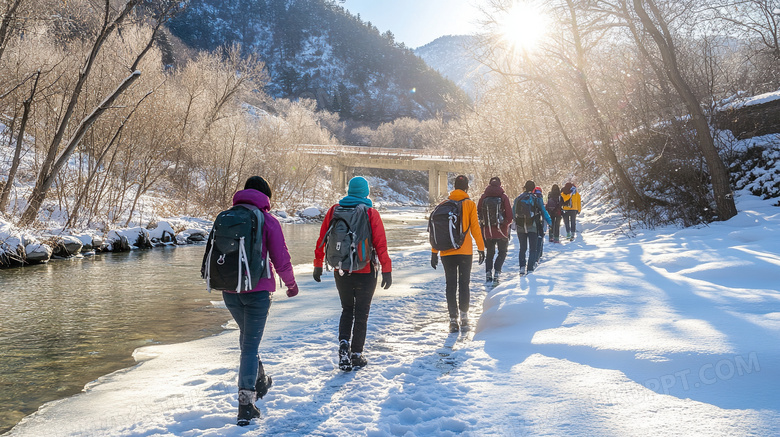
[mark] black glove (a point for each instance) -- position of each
(317, 273)
(434, 259)
(387, 280)
(481, 257)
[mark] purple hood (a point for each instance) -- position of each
(273, 238)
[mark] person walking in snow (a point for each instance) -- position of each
(457, 261)
(526, 208)
(553, 207)
(494, 210)
(356, 286)
(572, 205)
(541, 227)
(250, 308)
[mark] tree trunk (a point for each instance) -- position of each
(721, 187)
(42, 187)
(19, 143)
(6, 24)
(592, 111)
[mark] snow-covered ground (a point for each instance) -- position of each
(672, 332)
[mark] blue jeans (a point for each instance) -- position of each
(250, 311)
(527, 242)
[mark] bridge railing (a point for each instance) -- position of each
(381, 152)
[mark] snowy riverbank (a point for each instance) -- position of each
(672, 332)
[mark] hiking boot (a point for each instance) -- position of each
(246, 407)
(262, 385)
(345, 363)
(263, 382)
(496, 278)
(454, 325)
(557, 241)
(358, 360)
(522, 270)
(464, 321)
(568, 235)
(488, 277)
(552, 240)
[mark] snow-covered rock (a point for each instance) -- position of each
(127, 239)
(311, 212)
(163, 233)
(37, 253)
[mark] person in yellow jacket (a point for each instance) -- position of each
(457, 262)
(572, 205)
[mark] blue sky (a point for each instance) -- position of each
(418, 22)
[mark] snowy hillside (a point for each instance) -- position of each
(453, 57)
(316, 49)
(670, 333)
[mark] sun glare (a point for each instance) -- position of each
(523, 26)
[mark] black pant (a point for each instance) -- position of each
(555, 229)
(570, 220)
(490, 248)
(457, 274)
(356, 291)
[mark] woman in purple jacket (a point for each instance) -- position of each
(250, 309)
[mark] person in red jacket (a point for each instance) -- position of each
(356, 289)
(495, 216)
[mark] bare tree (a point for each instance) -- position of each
(657, 27)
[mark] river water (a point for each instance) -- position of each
(68, 322)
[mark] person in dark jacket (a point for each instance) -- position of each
(250, 308)
(526, 227)
(541, 227)
(495, 230)
(553, 206)
(356, 289)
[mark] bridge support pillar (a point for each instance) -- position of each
(437, 185)
(338, 174)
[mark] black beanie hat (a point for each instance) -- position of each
(461, 183)
(529, 185)
(495, 181)
(259, 184)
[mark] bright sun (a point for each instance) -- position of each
(523, 26)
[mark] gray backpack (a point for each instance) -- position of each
(348, 243)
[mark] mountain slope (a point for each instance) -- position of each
(453, 57)
(316, 49)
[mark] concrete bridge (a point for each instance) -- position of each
(344, 159)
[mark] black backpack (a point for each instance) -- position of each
(492, 213)
(445, 226)
(348, 240)
(554, 206)
(233, 258)
(524, 209)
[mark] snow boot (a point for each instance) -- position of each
(522, 270)
(264, 382)
(358, 360)
(464, 322)
(246, 407)
(488, 277)
(496, 278)
(454, 325)
(345, 363)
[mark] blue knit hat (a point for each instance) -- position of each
(358, 187)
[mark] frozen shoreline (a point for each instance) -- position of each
(660, 334)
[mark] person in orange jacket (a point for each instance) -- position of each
(457, 262)
(356, 289)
